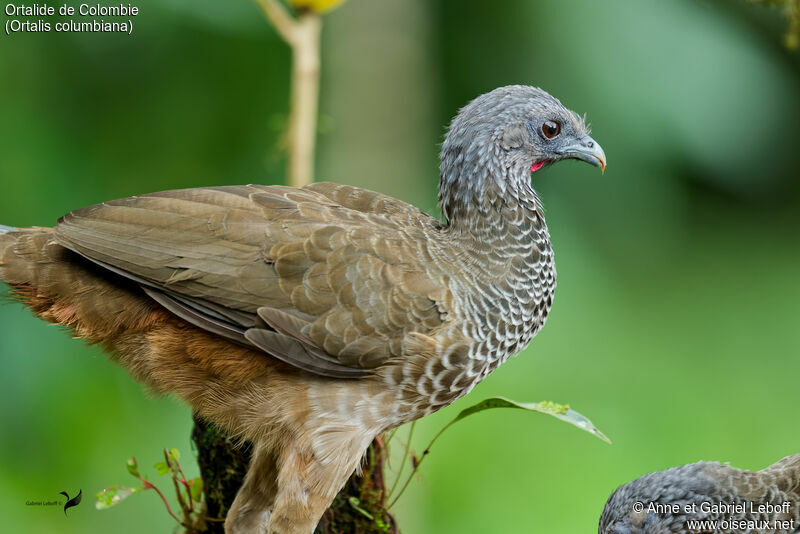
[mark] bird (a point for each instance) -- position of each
(708, 497)
(309, 320)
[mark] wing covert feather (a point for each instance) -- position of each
(328, 278)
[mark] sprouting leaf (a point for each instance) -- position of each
(162, 468)
(196, 488)
(113, 495)
(133, 467)
(559, 411)
(356, 504)
(174, 454)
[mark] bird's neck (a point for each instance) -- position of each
(505, 264)
(493, 209)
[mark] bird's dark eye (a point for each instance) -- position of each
(550, 129)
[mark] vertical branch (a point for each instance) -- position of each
(303, 37)
(305, 97)
(361, 505)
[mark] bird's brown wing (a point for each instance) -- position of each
(328, 278)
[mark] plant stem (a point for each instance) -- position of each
(415, 468)
(403, 462)
(305, 97)
(183, 480)
(302, 34)
(151, 486)
(185, 508)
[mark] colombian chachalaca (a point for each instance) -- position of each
(708, 497)
(310, 320)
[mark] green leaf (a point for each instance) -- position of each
(133, 467)
(559, 411)
(174, 454)
(196, 488)
(113, 495)
(162, 468)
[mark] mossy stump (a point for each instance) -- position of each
(360, 508)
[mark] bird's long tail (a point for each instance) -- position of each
(155, 347)
(24, 255)
(59, 287)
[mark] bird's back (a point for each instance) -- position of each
(328, 278)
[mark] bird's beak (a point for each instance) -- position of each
(586, 149)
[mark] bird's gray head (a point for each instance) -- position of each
(656, 503)
(496, 140)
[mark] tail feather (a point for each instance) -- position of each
(24, 255)
(59, 288)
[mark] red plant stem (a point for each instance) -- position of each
(182, 481)
(148, 485)
(181, 501)
(188, 486)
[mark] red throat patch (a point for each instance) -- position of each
(536, 166)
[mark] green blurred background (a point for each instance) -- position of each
(675, 327)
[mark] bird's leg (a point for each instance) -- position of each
(249, 512)
(307, 486)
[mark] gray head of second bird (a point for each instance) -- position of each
(496, 140)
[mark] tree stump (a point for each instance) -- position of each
(359, 508)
